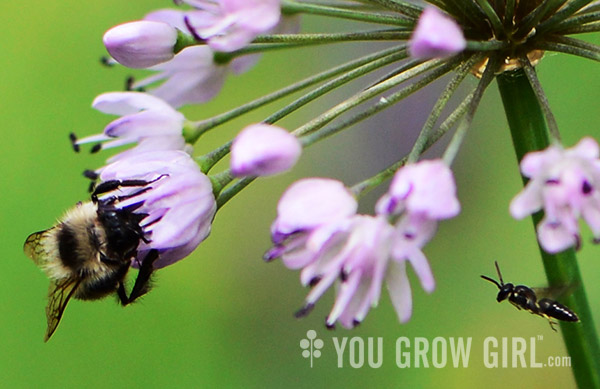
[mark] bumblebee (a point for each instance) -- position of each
(87, 254)
(525, 298)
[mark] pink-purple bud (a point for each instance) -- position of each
(141, 44)
(263, 150)
(436, 35)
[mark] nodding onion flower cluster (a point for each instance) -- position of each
(189, 51)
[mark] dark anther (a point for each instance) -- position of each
(271, 255)
(408, 235)
(305, 310)
(553, 181)
(587, 188)
(105, 60)
(355, 323)
(192, 30)
(73, 139)
(95, 148)
(92, 175)
(129, 81)
(577, 242)
(596, 240)
(392, 205)
(343, 275)
(329, 326)
(314, 281)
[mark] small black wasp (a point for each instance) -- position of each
(523, 297)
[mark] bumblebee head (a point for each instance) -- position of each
(123, 231)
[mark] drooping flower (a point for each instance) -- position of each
(229, 25)
(356, 252)
(146, 120)
(420, 195)
(436, 35)
(178, 201)
(306, 205)
(317, 229)
(426, 187)
(192, 76)
(565, 183)
(263, 150)
(141, 44)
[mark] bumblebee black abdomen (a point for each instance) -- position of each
(68, 247)
(97, 288)
(557, 310)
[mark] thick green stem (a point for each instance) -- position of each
(530, 133)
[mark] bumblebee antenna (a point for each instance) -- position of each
(499, 274)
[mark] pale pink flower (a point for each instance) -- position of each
(178, 202)
(357, 253)
(229, 25)
(263, 150)
(436, 35)
(145, 119)
(306, 205)
(420, 195)
(426, 187)
(317, 229)
(192, 76)
(141, 44)
(564, 183)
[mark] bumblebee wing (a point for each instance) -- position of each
(59, 293)
(35, 247)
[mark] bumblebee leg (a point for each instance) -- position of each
(108, 201)
(109, 186)
(122, 294)
(142, 282)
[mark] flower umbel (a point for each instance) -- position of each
(318, 229)
(565, 183)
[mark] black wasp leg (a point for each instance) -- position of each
(142, 282)
(552, 325)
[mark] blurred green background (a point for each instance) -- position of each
(222, 316)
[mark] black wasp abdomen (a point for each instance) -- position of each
(556, 310)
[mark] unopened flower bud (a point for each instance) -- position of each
(263, 150)
(141, 44)
(436, 35)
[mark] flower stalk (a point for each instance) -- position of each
(530, 133)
